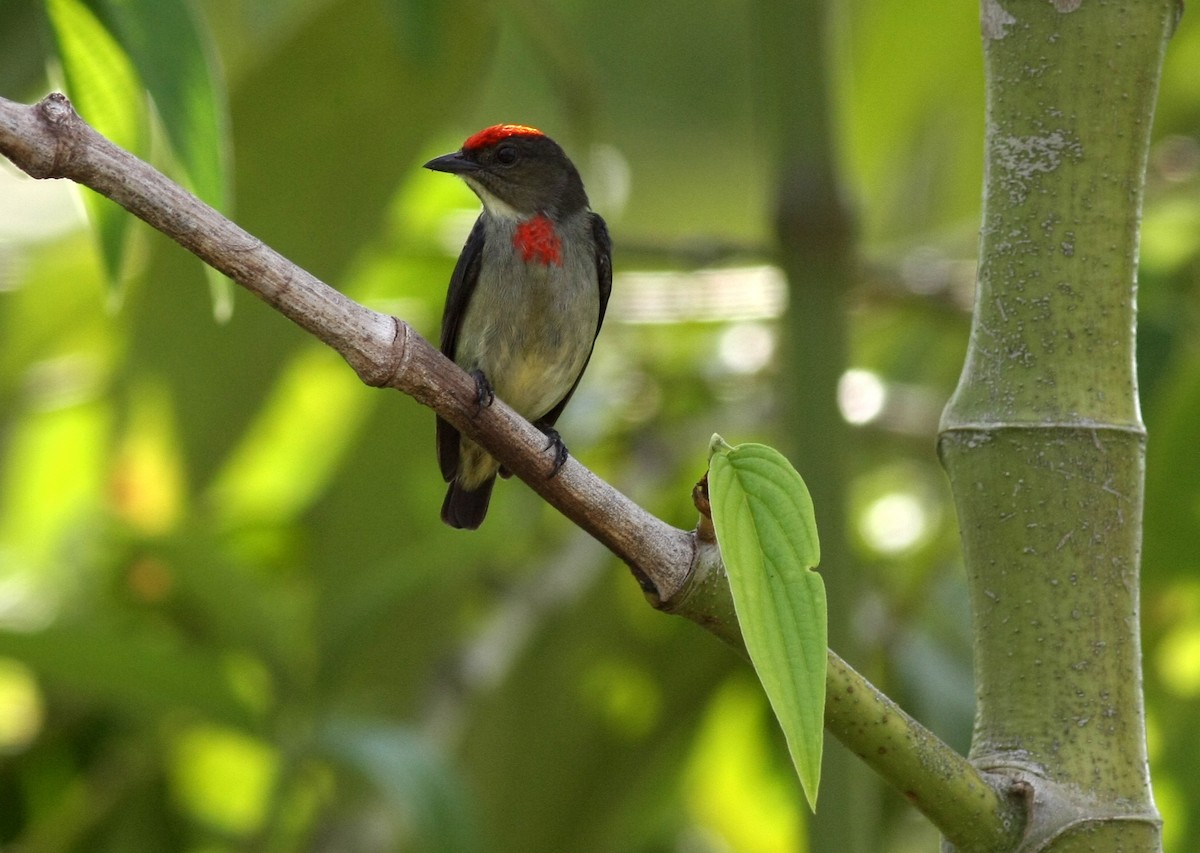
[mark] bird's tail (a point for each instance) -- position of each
(465, 509)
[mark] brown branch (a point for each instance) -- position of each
(680, 571)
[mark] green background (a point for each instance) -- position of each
(229, 616)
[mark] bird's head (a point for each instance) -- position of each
(517, 171)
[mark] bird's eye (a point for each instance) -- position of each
(506, 154)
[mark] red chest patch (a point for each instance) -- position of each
(536, 241)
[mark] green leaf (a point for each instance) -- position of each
(172, 53)
(106, 92)
(765, 526)
(110, 49)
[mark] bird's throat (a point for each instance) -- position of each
(537, 241)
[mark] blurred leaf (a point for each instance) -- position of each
(737, 783)
(314, 413)
(1169, 229)
(413, 776)
(1172, 526)
(139, 672)
(23, 46)
(105, 90)
(170, 50)
(320, 156)
(224, 777)
(146, 485)
(50, 485)
(419, 29)
(922, 114)
(232, 608)
(768, 536)
(24, 712)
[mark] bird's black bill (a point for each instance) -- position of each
(455, 164)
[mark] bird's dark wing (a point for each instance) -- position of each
(462, 285)
(603, 266)
(604, 277)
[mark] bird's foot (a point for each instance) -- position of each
(554, 440)
(484, 395)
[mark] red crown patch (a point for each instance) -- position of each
(492, 135)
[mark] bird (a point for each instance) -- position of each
(526, 299)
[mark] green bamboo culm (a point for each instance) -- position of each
(1043, 439)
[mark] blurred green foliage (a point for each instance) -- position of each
(229, 617)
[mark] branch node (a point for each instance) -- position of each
(387, 373)
(58, 115)
(56, 108)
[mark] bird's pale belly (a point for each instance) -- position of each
(533, 379)
(531, 343)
